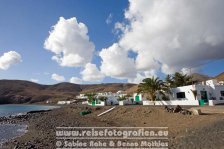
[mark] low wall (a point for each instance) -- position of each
(102, 103)
(85, 102)
(173, 102)
(121, 103)
(147, 103)
(113, 103)
(125, 102)
(129, 102)
(215, 102)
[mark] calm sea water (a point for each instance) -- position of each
(10, 131)
(6, 110)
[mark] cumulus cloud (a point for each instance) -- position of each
(75, 80)
(70, 43)
(119, 28)
(169, 36)
(57, 77)
(142, 75)
(138, 79)
(8, 59)
(116, 63)
(34, 80)
(166, 36)
(91, 73)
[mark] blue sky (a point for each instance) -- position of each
(25, 25)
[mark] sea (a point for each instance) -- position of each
(10, 131)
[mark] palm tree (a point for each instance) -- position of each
(91, 97)
(178, 79)
(122, 98)
(151, 87)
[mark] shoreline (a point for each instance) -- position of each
(21, 112)
(19, 119)
(33, 104)
(10, 119)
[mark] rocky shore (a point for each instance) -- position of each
(42, 125)
(15, 119)
(23, 119)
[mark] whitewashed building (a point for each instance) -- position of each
(81, 96)
(135, 99)
(95, 103)
(207, 93)
(112, 98)
(66, 102)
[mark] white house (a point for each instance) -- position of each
(137, 97)
(209, 92)
(120, 94)
(105, 94)
(112, 98)
(95, 103)
(65, 102)
(221, 82)
(81, 96)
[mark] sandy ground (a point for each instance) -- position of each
(185, 131)
(212, 109)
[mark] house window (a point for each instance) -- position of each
(181, 95)
(222, 93)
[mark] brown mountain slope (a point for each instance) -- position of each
(200, 77)
(108, 87)
(17, 91)
(220, 77)
(132, 89)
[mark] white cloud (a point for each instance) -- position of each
(91, 73)
(57, 77)
(119, 27)
(138, 79)
(75, 80)
(171, 35)
(34, 80)
(150, 73)
(8, 59)
(189, 71)
(70, 43)
(140, 76)
(168, 69)
(109, 18)
(116, 63)
(167, 36)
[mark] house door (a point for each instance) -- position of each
(204, 96)
(93, 103)
(137, 98)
